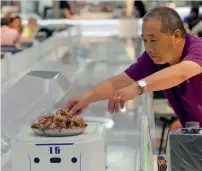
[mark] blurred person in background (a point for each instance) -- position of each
(192, 20)
(10, 7)
(5, 19)
(29, 31)
(66, 9)
(9, 35)
(139, 6)
(171, 62)
(17, 24)
(47, 5)
(197, 29)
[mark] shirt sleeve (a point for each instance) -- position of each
(142, 68)
(195, 53)
(185, 20)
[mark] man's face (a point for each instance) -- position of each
(161, 47)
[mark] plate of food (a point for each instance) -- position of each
(59, 124)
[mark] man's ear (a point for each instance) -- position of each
(177, 35)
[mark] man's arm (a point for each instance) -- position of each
(101, 92)
(104, 90)
(142, 68)
(160, 80)
(172, 76)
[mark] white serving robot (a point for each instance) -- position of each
(24, 102)
(85, 152)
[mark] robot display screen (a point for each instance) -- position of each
(54, 157)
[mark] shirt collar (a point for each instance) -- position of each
(186, 45)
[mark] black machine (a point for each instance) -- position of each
(185, 148)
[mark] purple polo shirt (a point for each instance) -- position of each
(186, 98)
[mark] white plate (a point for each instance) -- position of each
(58, 133)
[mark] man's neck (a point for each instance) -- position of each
(178, 53)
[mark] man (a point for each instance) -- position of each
(172, 62)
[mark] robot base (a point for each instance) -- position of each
(85, 152)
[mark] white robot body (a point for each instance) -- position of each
(85, 152)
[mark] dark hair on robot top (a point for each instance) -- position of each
(170, 19)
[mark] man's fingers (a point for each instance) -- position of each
(79, 112)
(118, 101)
(75, 109)
(122, 104)
(117, 106)
(114, 102)
(70, 105)
(111, 103)
(123, 101)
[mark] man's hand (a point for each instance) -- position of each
(120, 97)
(77, 105)
(102, 91)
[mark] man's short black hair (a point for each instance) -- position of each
(170, 19)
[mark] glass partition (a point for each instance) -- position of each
(128, 132)
(148, 111)
(34, 93)
(28, 98)
(108, 57)
(100, 58)
(80, 54)
(43, 55)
